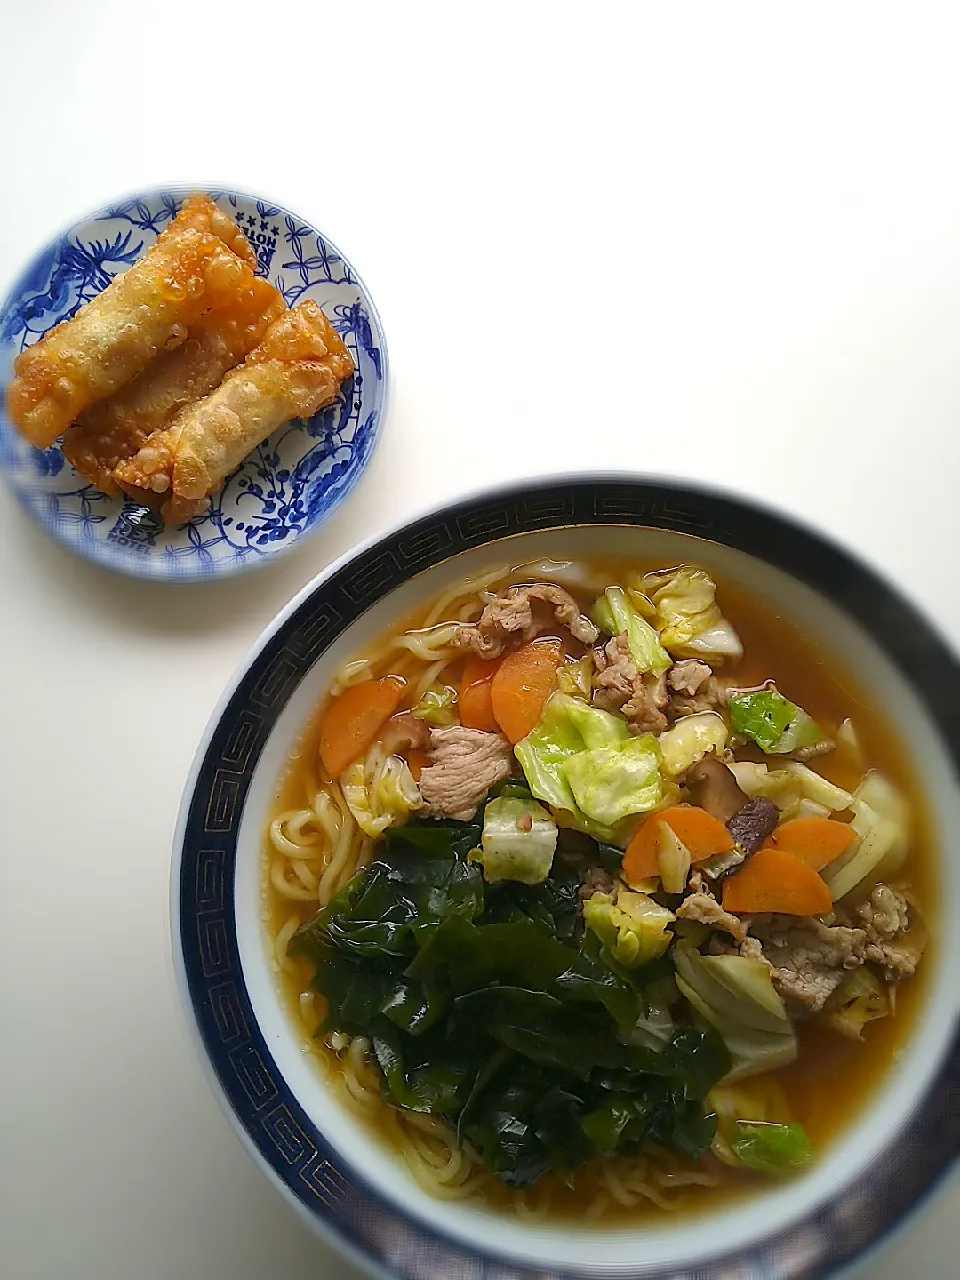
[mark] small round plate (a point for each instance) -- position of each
(287, 487)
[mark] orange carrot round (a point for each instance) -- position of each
(353, 720)
(522, 684)
(701, 833)
(815, 841)
(476, 698)
(777, 880)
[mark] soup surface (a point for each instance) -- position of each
(690, 800)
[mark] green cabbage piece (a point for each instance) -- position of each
(614, 612)
(576, 677)
(773, 722)
(631, 926)
(758, 1099)
(436, 707)
(789, 786)
(687, 616)
(509, 852)
(690, 740)
(673, 858)
(772, 1148)
(860, 998)
(736, 995)
(881, 819)
(583, 761)
(380, 791)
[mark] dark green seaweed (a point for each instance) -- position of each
(486, 1005)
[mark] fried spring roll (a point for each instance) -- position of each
(112, 339)
(296, 370)
(202, 214)
(117, 428)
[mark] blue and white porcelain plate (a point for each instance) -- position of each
(287, 487)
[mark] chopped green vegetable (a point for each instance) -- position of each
(519, 841)
(615, 613)
(673, 858)
(436, 707)
(735, 994)
(576, 678)
(482, 1008)
(688, 619)
(612, 783)
(690, 740)
(881, 818)
(789, 786)
(860, 998)
(379, 791)
(772, 1148)
(582, 760)
(631, 926)
(773, 722)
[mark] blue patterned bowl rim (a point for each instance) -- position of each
(262, 1109)
(184, 570)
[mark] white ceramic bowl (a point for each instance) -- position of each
(339, 1177)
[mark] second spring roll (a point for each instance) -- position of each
(112, 338)
(117, 428)
(296, 370)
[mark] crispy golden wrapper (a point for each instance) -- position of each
(117, 428)
(296, 370)
(202, 214)
(141, 314)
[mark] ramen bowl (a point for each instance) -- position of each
(333, 1170)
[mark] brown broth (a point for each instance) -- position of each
(833, 1077)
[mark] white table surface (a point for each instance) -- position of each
(724, 244)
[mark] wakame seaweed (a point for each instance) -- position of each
(484, 1005)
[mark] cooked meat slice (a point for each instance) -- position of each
(403, 731)
(711, 695)
(808, 959)
(616, 674)
(713, 787)
(512, 616)
(885, 919)
(619, 686)
(688, 676)
(753, 822)
(884, 915)
(595, 880)
(466, 763)
(645, 709)
(702, 906)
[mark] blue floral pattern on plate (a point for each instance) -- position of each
(288, 486)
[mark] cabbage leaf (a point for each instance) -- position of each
(583, 761)
(615, 613)
(379, 791)
(687, 616)
(777, 725)
(519, 841)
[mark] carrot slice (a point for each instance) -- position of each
(353, 720)
(417, 761)
(476, 700)
(815, 841)
(777, 880)
(522, 684)
(702, 833)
